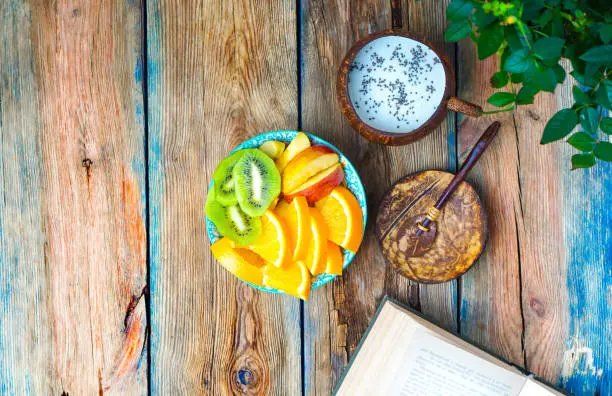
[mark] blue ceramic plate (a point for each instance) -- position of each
(351, 181)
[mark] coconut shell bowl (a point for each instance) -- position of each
(396, 138)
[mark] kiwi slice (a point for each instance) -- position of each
(231, 221)
(256, 181)
(224, 180)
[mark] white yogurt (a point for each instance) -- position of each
(396, 84)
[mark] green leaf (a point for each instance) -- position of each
(560, 73)
(532, 9)
(582, 141)
(604, 94)
(526, 94)
(580, 97)
(592, 73)
(545, 18)
(457, 31)
(519, 61)
(570, 5)
(512, 36)
(582, 161)
(499, 79)
(546, 80)
(605, 32)
(603, 151)
(501, 99)
(548, 48)
(599, 54)
(482, 19)
(517, 77)
(490, 39)
(606, 125)
(557, 27)
(589, 119)
(559, 126)
(459, 9)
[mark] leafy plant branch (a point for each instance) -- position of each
(531, 37)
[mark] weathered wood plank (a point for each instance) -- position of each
(24, 319)
(73, 315)
(540, 234)
(585, 365)
(531, 298)
(439, 302)
(336, 316)
(490, 312)
(218, 73)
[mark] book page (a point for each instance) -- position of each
(433, 367)
(534, 388)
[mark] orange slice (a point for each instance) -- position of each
(273, 203)
(344, 219)
(296, 216)
(335, 260)
(247, 267)
(251, 257)
(294, 280)
(273, 243)
(316, 257)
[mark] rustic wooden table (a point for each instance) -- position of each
(113, 116)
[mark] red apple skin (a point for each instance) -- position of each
(307, 164)
(316, 190)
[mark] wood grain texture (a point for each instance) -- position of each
(438, 302)
(585, 366)
(74, 112)
(540, 234)
(218, 73)
(336, 316)
(25, 334)
(491, 315)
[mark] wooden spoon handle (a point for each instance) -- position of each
(479, 148)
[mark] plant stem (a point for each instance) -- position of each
(522, 30)
(499, 111)
(540, 33)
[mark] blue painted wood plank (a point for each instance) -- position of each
(587, 361)
(23, 287)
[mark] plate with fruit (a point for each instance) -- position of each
(285, 212)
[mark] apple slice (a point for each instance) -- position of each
(273, 148)
(299, 143)
(307, 164)
(319, 186)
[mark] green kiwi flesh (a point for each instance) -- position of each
(224, 180)
(256, 181)
(231, 221)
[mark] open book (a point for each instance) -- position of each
(403, 354)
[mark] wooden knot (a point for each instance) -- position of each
(245, 377)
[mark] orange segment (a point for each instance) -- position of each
(316, 257)
(294, 280)
(296, 216)
(273, 243)
(251, 257)
(237, 263)
(273, 203)
(335, 260)
(344, 219)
